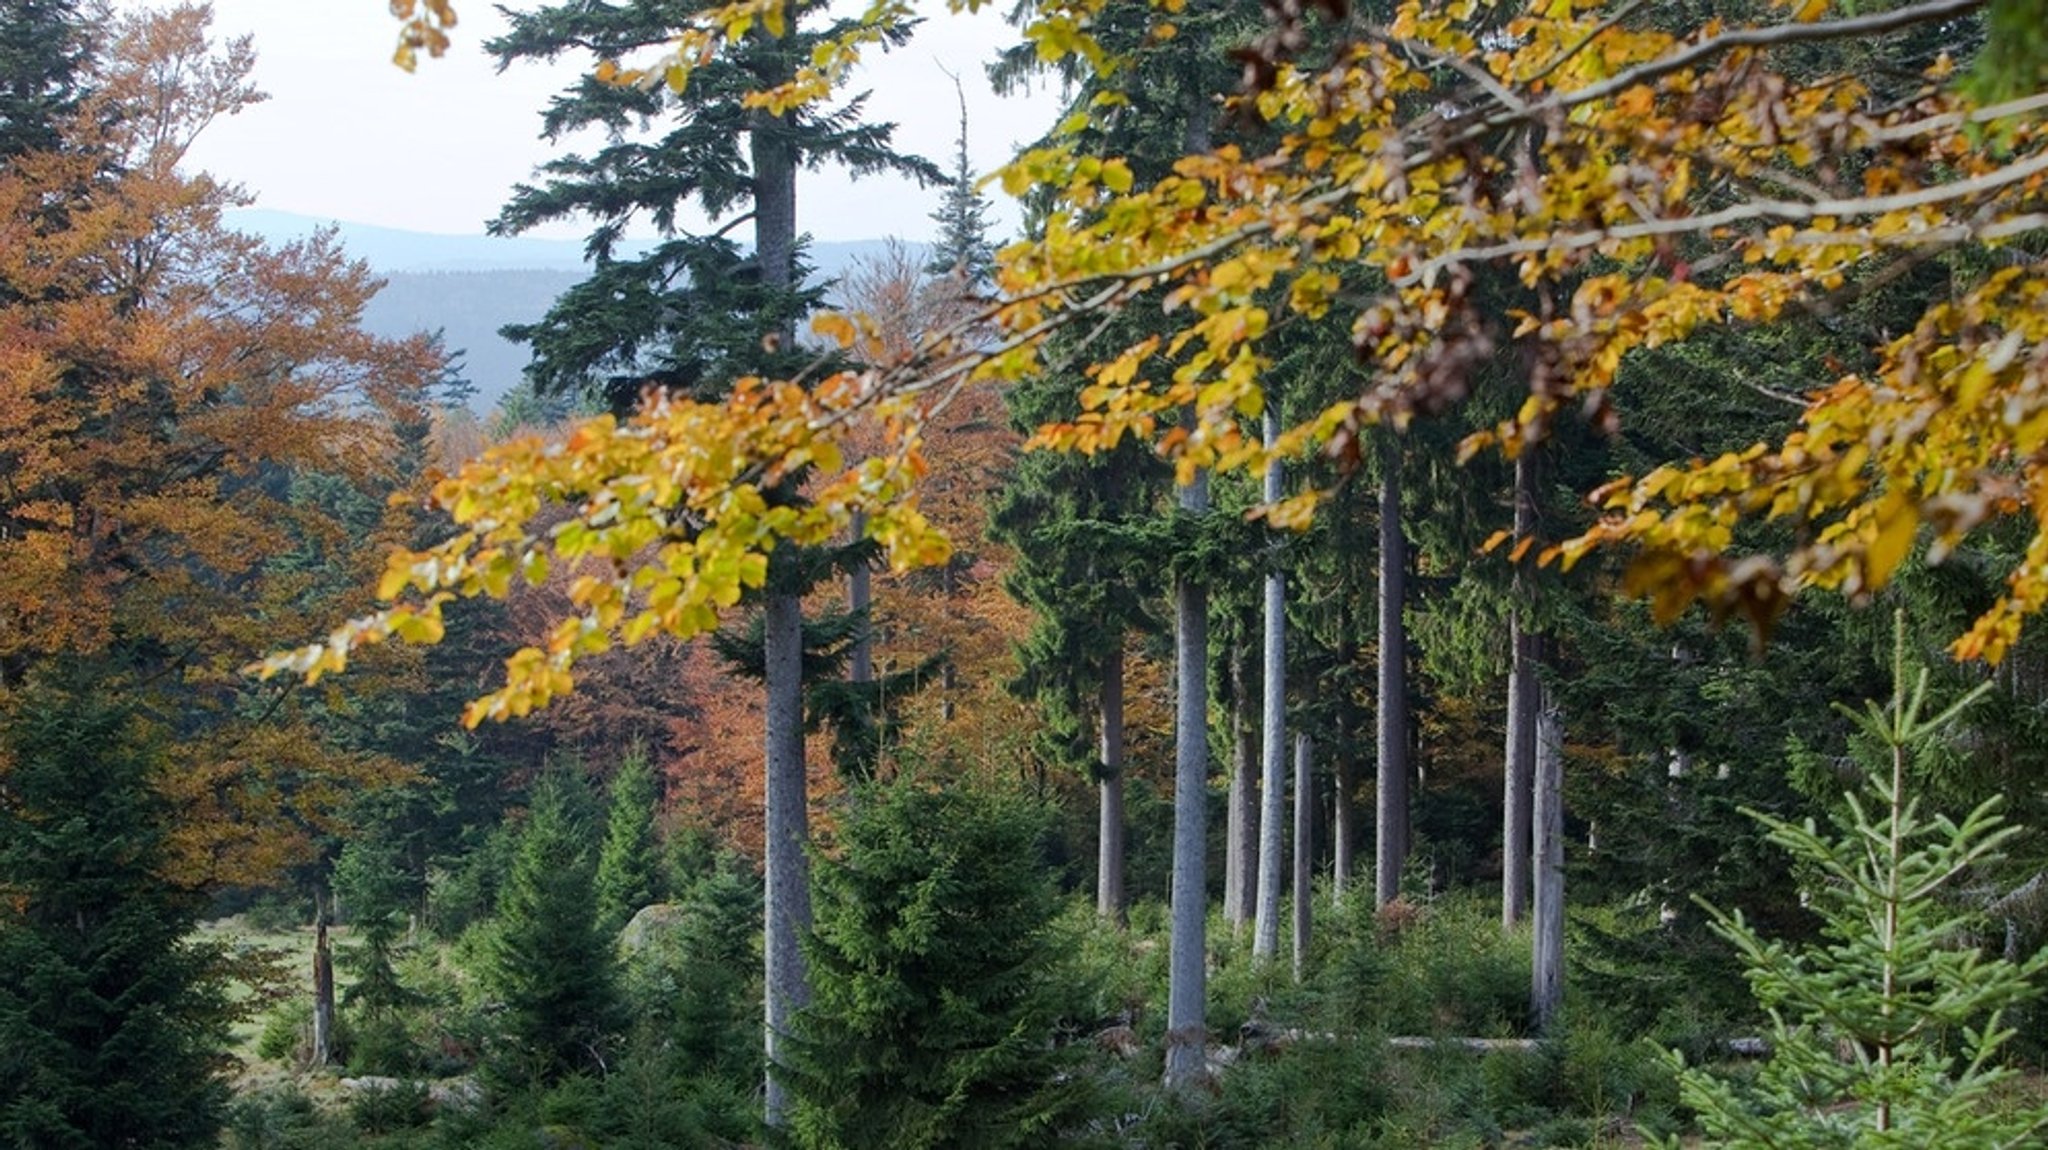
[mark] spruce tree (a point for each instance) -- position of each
(42, 51)
(1895, 982)
(962, 250)
(938, 979)
(113, 1021)
(546, 960)
(696, 312)
(629, 866)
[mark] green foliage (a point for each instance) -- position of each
(546, 961)
(42, 52)
(382, 1109)
(1441, 968)
(938, 979)
(374, 890)
(286, 1032)
(113, 1022)
(693, 983)
(629, 872)
(1889, 1032)
(693, 312)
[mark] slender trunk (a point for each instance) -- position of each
(1273, 726)
(1304, 851)
(1392, 807)
(788, 895)
(1523, 691)
(1240, 837)
(787, 909)
(1187, 989)
(949, 675)
(323, 986)
(1546, 990)
(1109, 856)
(1187, 986)
(860, 598)
(1344, 805)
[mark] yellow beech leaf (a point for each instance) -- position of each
(1898, 520)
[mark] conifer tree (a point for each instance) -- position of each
(629, 866)
(42, 52)
(113, 1021)
(1895, 981)
(697, 312)
(962, 250)
(547, 961)
(939, 979)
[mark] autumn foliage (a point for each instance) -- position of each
(164, 383)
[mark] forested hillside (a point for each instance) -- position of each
(1467, 582)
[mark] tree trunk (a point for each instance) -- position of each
(1187, 989)
(1273, 726)
(1392, 807)
(860, 598)
(1523, 694)
(1546, 990)
(1187, 985)
(1344, 807)
(787, 898)
(1240, 837)
(1304, 852)
(788, 894)
(1109, 855)
(323, 987)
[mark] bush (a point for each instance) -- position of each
(287, 1033)
(1441, 968)
(382, 1109)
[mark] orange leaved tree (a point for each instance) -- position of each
(164, 385)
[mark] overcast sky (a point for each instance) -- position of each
(347, 136)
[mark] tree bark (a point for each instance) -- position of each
(1546, 989)
(787, 899)
(1304, 852)
(1240, 836)
(1273, 725)
(1109, 855)
(860, 599)
(1187, 985)
(788, 894)
(1392, 807)
(1344, 806)
(323, 986)
(1524, 689)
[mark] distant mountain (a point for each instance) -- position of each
(467, 287)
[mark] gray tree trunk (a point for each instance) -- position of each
(1546, 987)
(1187, 989)
(1109, 855)
(1273, 727)
(1392, 806)
(788, 894)
(787, 909)
(1241, 832)
(1187, 978)
(323, 986)
(1524, 689)
(1344, 807)
(1304, 852)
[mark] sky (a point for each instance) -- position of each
(348, 136)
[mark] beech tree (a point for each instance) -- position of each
(163, 379)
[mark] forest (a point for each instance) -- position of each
(1466, 581)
